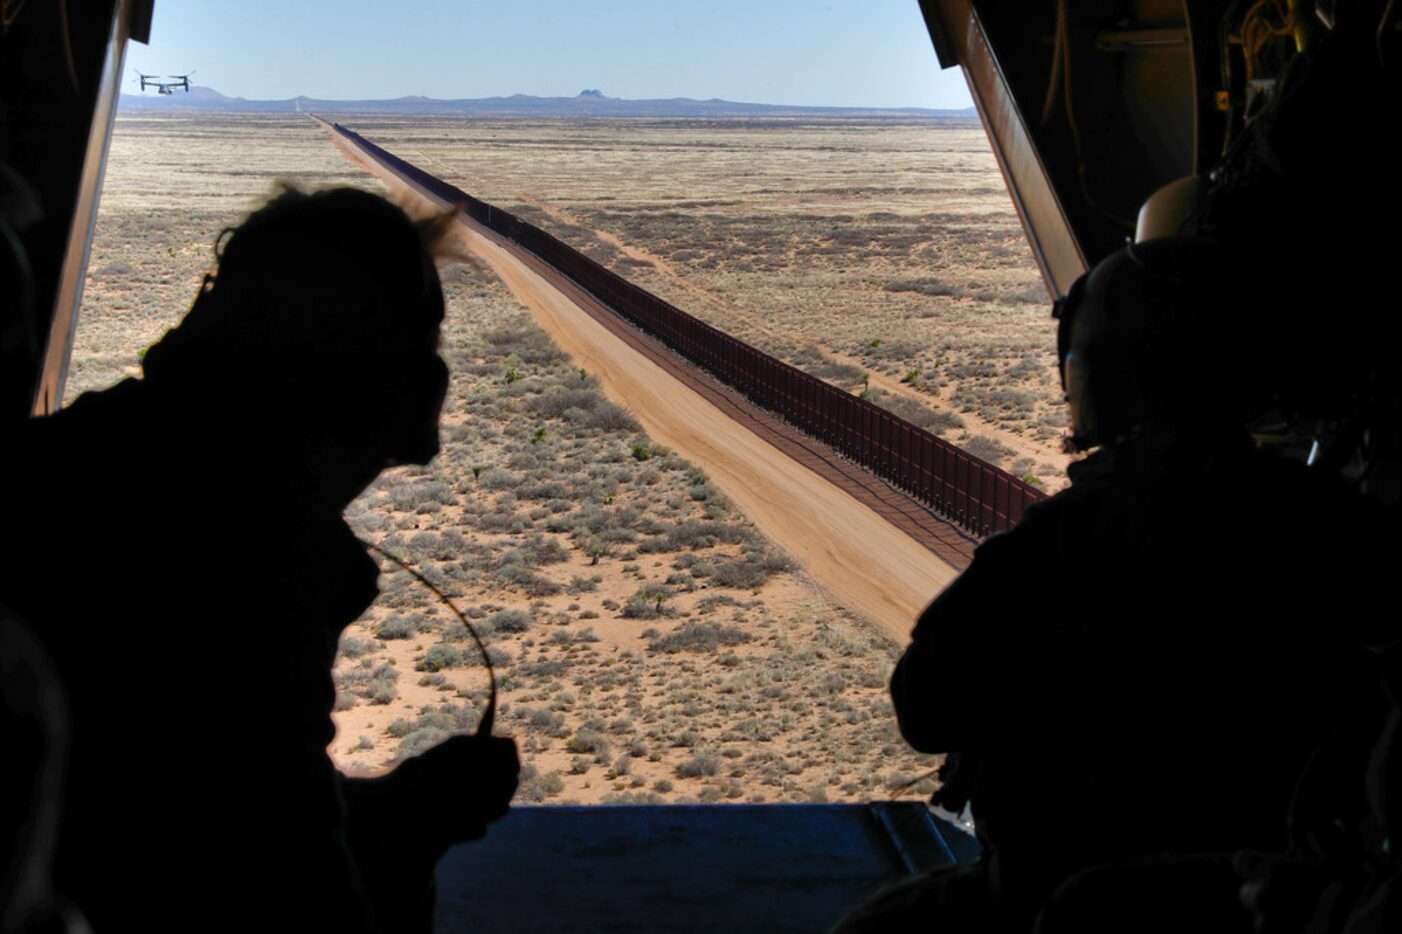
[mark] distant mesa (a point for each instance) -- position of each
(591, 92)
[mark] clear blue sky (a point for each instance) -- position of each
(872, 53)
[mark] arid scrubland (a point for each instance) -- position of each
(883, 256)
(649, 643)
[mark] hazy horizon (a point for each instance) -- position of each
(788, 53)
(176, 96)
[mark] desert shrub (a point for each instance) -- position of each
(683, 580)
(554, 402)
(979, 368)
(699, 566)
(543, 550)
(534, 787)
(497, 478)
(548, 668)
(701, 492)
(428, 545)
(891, 350)
(414, 495)
(530, 583)
(586, 740)
(353, 647)
(569, 637)
(703, 762)
(396, 626)
(698, 637)
(547, 721)
(524, 341)
(1029, 366)
(457, 632)
(503, 518)
(932, 420)
(662, 785)
(988, 449)
(831, 371)
(926, 286)
(647, 603)
(527, 459)
(751, 571)
(694, 534)
(708, 604)
(939, 421)
(367, 680)
(509, 621)
(435, 725)
(609, 417)
(439, 657)
(547, 490)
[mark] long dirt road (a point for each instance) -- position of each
(857, 557)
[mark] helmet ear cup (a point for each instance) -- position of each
(1080, 400)
(1157, 334)
(1075, 383)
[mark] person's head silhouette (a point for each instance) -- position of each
(320, 332)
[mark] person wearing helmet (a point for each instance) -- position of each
(1141, 666)
(178, 545)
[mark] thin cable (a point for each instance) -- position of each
(489, 715)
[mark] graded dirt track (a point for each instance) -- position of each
(856, 556)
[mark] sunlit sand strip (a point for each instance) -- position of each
(855, 556)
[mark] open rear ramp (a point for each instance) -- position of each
(768, 868)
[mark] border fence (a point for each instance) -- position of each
(964, 489)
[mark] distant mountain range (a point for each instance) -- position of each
(589, 103)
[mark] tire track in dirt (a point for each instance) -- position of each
(662, 266)
(856, 555)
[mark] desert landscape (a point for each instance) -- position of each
(650, 643)
(881, 255)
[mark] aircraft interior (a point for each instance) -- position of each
(1114, 122)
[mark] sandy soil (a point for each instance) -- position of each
(859, 559)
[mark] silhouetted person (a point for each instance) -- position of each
(1293, 195)
(178, 545)
(1143, 665)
